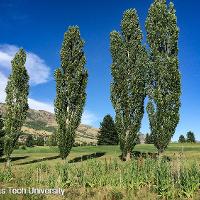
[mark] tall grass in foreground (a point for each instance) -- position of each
(174, 179)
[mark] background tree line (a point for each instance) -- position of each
(190, 138)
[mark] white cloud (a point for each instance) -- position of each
(38, 105)
(3, 82)
(37, 68)
(34, 104)
(39, 73)
(87, 117)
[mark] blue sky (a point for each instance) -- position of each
(39, 26)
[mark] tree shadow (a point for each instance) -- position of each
(2, 160)
(138, 155)
(39, 160)
(86, 157)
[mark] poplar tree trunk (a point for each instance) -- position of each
(8, 161)
(128, 156)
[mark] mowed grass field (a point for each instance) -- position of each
(96, 172)
(35, 154)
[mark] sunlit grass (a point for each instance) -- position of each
(96, 172)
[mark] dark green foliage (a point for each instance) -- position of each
(29, 141)
(50, 129)
(149, 139)
(2, 133)
(23, 147)
(137, 139)
(39, 141)
(107, 133)
(163, 77)
(129, 59)
(17, 145)
(181, 139)
(17, 90)
(71, 80)
(52, 140)
(39, 125)
(190, 137)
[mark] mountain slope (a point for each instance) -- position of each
(40, 122)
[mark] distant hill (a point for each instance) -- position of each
(40, 122)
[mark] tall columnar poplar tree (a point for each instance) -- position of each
(128, 85)
(17, 91)
(71, 80)
(164, 88)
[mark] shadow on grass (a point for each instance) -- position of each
(39, 160)
(139, 155)
(77, 159)
(86, 157)
(13, 158)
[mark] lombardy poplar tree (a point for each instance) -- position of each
(128, 84)
(17, 91)
(164, 88)
(71, 81)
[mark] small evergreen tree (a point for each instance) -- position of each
(190, 137)
(181, 139)
(29, 141)
(17, 90)
(107, 133)
(163, 80)
(128, 86)
(71, 80)
(2, 133)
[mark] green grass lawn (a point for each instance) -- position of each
(96, 172)
(190, 151)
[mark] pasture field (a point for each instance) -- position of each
(96, 172)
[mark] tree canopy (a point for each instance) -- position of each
(71, 80)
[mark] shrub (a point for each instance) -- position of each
(29, 141)
(39, 141)
(23, 147)
(181, 139)
(190, 137)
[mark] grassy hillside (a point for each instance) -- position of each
(40, 122)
